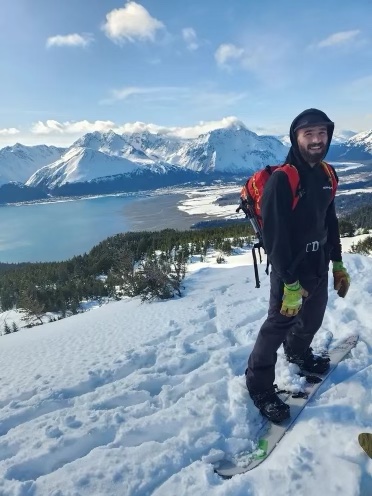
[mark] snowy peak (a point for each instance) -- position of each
(110, 143)
(358, 147)
(81, 164)
(19, 162)
(342, 136)
(230, 150)
(362, 139)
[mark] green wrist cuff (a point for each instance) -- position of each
(338, 266)
(295, 286)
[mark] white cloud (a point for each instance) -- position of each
(72, 40)
(130, 23)
(70, 127)
(9, 131)
(180, 132)
(156, 93)
(190, 38)
(78, 128)
(165, 95)
(268, 57)
(227, 52)
(340, 38)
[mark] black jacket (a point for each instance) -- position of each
(300, 242)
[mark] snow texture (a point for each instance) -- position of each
(141, 399)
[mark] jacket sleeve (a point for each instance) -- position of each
(276, 209)
(333, 238)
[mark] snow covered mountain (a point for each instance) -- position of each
(358, 147)
(19, 162)
(113, 144)
(338, 137)
(96, 155)
(363, 139)
(135, 160)
(234, 149)
(80, 164)
(342, 136)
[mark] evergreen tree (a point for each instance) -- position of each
(154, 281)
(30, 307)
(7, 328)
(15, 328)
(226, 247)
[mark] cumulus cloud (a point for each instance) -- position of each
(70, 127)
(267, 56)
(78, 128)
(205, 126)
(190, 38)
(227, 52)
(130, 23)
(70, 40)
(187, 132)
(341, 38)
(9, 131)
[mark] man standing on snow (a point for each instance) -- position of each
(300, 243)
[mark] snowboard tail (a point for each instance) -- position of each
(365, 441)
(270, 434)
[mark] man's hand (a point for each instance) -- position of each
(341, 279)
(292, 299)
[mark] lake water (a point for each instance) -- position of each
(45, 232)
(58, 231)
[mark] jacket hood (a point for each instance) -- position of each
(309, 117)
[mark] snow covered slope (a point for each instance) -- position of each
(141, 399)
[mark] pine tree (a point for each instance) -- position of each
(7, 328)
(30, 306)
(15, 328)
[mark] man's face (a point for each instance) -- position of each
(312, 142)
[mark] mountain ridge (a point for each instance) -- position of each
(102, 162)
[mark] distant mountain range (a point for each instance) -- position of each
(338, 137)
(99, 163)
(358, 147)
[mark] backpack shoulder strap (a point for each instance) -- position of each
(331, 177)
(294, 181)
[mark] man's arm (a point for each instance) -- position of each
(333, 238)
(276, 211)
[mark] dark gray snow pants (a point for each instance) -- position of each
(297, 332)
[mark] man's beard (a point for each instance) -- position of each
(312, 157)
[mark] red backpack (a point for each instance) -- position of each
(251, 198)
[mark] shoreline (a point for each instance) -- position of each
(160, 212)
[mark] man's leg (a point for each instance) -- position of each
(311, 314)
(260, 374)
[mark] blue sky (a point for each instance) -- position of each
(73, 66)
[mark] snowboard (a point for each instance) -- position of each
(365, 441)
(270, 434)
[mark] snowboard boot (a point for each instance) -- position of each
(271, 406)
(308, 362)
